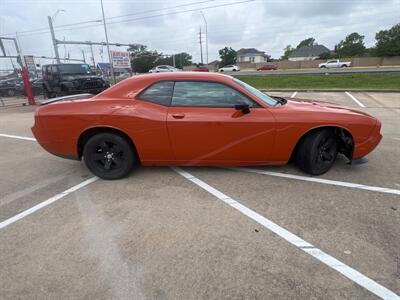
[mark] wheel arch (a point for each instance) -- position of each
(343, 135)
(89, 132)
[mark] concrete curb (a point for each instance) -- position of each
(333, 90)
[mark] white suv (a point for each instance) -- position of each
(229, 68)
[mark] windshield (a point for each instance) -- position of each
(75, 69)
(260, 95)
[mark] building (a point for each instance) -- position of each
(250, 55)
(308, 52)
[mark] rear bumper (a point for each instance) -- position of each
(370, 144)
(52, 142)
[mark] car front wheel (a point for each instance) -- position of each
(109, 156)
(317, 152)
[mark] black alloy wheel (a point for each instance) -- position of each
(317, 152)
(109, 156)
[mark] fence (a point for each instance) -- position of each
(12, 91)
(286, 64)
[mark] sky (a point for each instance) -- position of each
(173, 26)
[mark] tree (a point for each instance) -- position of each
(325, 55)
(306, 43)
(228, 56)
(287, 51)
(352, 45)
(142, 60)
(268, 58)
(388, 42)
(181, 59)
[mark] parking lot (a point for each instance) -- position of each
(201, 233)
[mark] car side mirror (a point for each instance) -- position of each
(245, 108)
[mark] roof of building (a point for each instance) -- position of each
(307, 51)
(244, 51)
(214, 62)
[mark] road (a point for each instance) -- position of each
(317, 71)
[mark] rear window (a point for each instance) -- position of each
(159, 93)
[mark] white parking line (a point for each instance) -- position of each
(18, 137)
(295, 240)
(324, 181)
(354, 99)
(293, 95)
(46, 202)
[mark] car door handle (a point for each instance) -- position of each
(178, 116)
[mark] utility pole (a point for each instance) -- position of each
(205, 21)
(53, 37)
(83, 55)
(108, 46)
(173, 60)
(201, 48)
(91, 51)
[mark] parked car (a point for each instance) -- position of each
(123, 76)
(267, 68)
(164, 68)
(201, 69)
(70, 79)
(11, 87)
(191, 118)
(335, 63)
(37, 86)
(229, 68)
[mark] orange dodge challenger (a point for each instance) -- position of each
(199, 119)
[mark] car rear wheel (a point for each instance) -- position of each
(109, 156)
(317, 152)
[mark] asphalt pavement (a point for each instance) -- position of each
(201, 233)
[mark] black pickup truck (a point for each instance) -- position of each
(71, 79)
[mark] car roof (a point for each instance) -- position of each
(134, 84)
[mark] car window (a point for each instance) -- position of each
(54, 69)
(159, 93)
(207, 94)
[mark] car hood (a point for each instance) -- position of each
(79, 77)
(321, 106)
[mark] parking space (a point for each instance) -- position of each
(158, 235)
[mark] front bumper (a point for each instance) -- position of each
(369, 144)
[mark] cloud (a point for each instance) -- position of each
(266, 25)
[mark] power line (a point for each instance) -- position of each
(110, 18)
(141, 18)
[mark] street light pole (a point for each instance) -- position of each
(108, 46)
(205, 21)
(53, 37)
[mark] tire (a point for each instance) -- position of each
(323, 67)
(10, 92)
(221, 71)
(344, 66)
(109, 156)
(317, 152)
(234, 70)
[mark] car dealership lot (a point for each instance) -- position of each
(159, 235)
